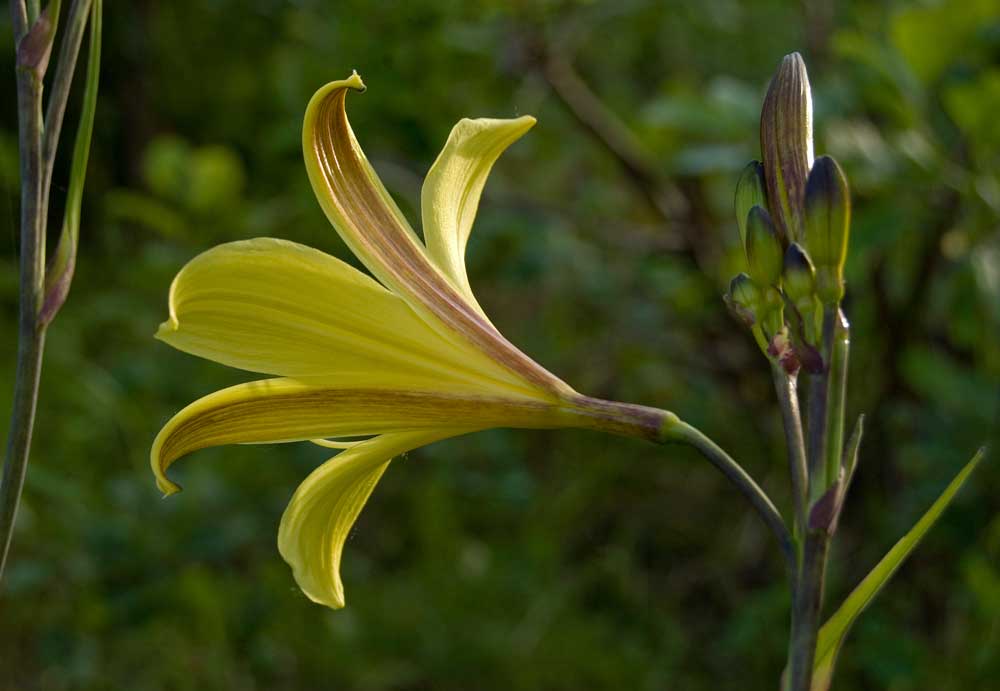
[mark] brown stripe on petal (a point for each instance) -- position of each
(786, 143)
(282, 410)
(375, 230)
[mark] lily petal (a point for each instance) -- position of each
(277, 307)
(450, 195)
(283, 410)
(366, 217)
(323, 509)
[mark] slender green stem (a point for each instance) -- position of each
(682, 432)
(788, 400)
(839, 351)
(65, 69)
(31, 334)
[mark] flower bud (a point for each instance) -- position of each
(743, 299)
(798, 277)
(749, 193)
(786, 143)
(763, 248)
(827, 226)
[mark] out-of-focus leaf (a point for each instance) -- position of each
(126, 205)
(930, 38)
(833, 633)
(973, 105)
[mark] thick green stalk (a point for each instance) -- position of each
(826, 431)
(788, 400)
(762, 504)
(31, 334)
(807, 601)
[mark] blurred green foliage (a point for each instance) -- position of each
(519, 560)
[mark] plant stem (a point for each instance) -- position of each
(816, 431)
(19, 19)
(826, 444)
(788, 400)
(807, 601)
(836, 395)
(683, 432)
(31, 334)
(61, 82)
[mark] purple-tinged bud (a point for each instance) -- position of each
(828, 222)
(764, 253)
(743, 299)
(798, 277)
(749, 193)
(782, 349)
(786, 143)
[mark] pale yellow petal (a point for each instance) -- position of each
(324, 508)
(450, 196)
(282, 410)
(358, 205)
(278, 307)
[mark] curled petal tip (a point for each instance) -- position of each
(355, 82)
(159, 465)
(164, 330)
(168, 488)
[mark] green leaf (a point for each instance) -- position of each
(833, 633)
(59, 273)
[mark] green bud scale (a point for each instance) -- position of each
(827, 226)
(798, 276)
(749, 193)
(763, 248)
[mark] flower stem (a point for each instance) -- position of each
(38, 141)
(788, 400)
(839, 350)
(826, 443)
(682, 432)
(61, 82)
(31, 334)
(807, 601)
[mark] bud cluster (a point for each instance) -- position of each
(793, 214)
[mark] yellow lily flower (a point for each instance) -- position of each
(407, 359)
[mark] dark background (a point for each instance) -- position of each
(519, 560)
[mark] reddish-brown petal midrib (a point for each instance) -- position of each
(383, 236)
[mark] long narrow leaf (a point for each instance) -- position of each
(833, 633)
(59, 274)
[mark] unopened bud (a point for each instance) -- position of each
(743, 299)
(749, 193)
(786, 143)
(798, 276)
(763, 248)
(828, 221)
